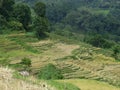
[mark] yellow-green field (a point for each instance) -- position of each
(85, 84)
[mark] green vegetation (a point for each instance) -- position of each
(18, 17)
(26, 61)
(116, 51)
(4, 62)
(40, 23)
(80, 38)
(22, 13)
(24, 64)
(99, 41)
(40, 9)
(50, 72)
(84, 84)
(63, 85)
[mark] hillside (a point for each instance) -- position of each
(60, 44)
(77, 60)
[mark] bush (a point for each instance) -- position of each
(15, 25)
(99, 41)
(116, 51)
(50, 72)
(26, 61)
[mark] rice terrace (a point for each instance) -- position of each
(59, 45)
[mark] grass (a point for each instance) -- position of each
(53, 83)
(23, 44)
(8, 81)
(63, 85)
(67, 54)
(85, 84)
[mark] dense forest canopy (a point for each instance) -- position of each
(87, 17)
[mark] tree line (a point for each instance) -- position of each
(18, 16)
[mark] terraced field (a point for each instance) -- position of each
(75, 60)
(84, 84)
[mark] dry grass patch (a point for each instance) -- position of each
(7, 82)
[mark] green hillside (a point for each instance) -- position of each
(77, 60)
(66, 44)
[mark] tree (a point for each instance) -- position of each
(3, 21)
(79, 18)
(22, 13)
(41, 25)
(6, 7)
(40, 9)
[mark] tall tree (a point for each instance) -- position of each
(6, 7)
(40, 9)
(41, 24)
(22, 13)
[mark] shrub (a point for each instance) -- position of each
(99, 41)
(26, 61)
(15, 25)
(50, 72)
(116, 51)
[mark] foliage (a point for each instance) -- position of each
(26, 61)
(6, 8)
(15, 25)
(40, 9)
(41, 25)
(50, 72)
(78, 18)
(82, 17)
(22, 13)
(3, 22)
(99, 41)
(62, 86)
(116, 51)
